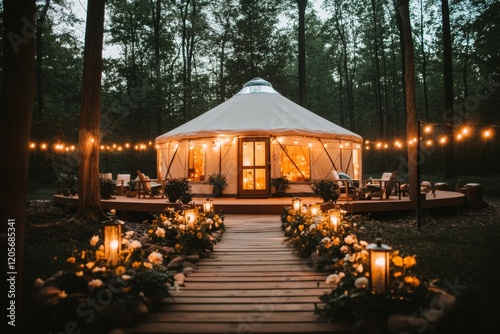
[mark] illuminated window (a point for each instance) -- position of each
(196, 163)
(254, 161)
(295, 163)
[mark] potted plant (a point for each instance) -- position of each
(280, 184)
(132, 188)
(219, 182)
(68, 184)
(178, 188)
(107, 188)
(326, 189)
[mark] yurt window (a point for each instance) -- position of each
(295, 163)
(196, 162)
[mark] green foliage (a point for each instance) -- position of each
(280, 183)
(218, 180)
(178, 188)
(326, 189)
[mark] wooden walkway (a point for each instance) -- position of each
(251, 283)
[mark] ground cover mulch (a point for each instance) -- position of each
(459, 249)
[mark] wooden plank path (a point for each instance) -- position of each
(252, 283)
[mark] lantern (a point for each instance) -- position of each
(379, 267)
(315, 209)
(296, 203)
(190, 215)
(208, 206)
(112, 240)
(335, 217)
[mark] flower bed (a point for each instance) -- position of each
(337, 250)
(92, 295)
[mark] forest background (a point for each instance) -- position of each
(171, 61)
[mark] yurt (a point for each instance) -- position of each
(253, 137)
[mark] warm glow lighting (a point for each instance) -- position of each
(335, 217)
(208, 206)
(190, 215)
(315, 209)
(443, 140)
(112, 240)
(459, 136)
(379, 267)
(428, 142)
(428, 129)
(487, 134)
(296, 204)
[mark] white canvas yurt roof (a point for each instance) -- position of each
(257, 109)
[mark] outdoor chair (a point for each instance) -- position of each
(121, 182)
(385, 186)
(347, 185)
(147, 186)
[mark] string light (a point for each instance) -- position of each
(461, 133)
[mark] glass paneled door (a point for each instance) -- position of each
(253, 167)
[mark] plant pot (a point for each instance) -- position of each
(66, 192)
(106, 193)
(217, 192)
(173, 197)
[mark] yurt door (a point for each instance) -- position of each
(253, 167)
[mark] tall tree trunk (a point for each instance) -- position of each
(448, 89)
(302, 53)
(156, 18)
(424, 60)
(402, 11)
(89, 201)
(39, 59)
(16, 109)
(341, 94)
(378, 96)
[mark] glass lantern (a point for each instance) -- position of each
(208, 206)
(190, 215)
(379, 267)
(335, 217)
(296, 203)
(112, 240)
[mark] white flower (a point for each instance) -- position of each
(333, 280)
(312, 227)
(39, 283)
(209, 221)
(182, 227)
(349, 239)
(94, 240)
(95, 283)
(98, 269)
(135, 244)
(129, 234)
(363, 243)
(160, 232)
(326, 240)
(341, 275)
(361, 283)
(125, 242)
(344, 249)
(113, 212)
(126, 277)
(155, 258)
(166, 223)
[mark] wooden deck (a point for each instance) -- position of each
(274, 205)
(251, 283)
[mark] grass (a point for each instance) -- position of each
(460, 251)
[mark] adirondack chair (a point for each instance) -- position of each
(347, 185)
(147, 186)
(385, 185)
(121, 182)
